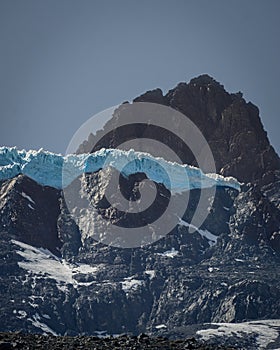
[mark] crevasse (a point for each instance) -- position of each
(55, 170)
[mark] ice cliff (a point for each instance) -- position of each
(55, 170)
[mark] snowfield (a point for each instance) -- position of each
(265, 331)
(41, 262)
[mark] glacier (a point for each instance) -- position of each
(58, 171)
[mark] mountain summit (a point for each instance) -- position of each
(231, 126)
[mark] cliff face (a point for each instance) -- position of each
(31, 220)
(231, 126)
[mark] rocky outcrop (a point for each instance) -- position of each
(9, 341)
(29, 212)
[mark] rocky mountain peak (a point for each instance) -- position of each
(231, 126)
(205, 80)
(154, 96)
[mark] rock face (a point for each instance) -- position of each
(32, 220)
(226, 271)
(57, 279)
(231, 126)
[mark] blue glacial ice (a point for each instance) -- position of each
(55, 170)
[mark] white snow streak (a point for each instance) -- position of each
(212, 239)
(169, 253)
(24, 195)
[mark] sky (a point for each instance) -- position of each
(62, 61)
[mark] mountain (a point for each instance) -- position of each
(64, 271)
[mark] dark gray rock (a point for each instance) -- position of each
(15, 341)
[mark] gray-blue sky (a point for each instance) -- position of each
(64, 60)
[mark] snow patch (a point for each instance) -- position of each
(85, 269)
(101, 334)
(169, 253)
(161, 326)
(35, 320)
(42, 262)
(24, 195)
(266, 331)
(46, 316)
(130, 283)
(150, 273)
(21, 314)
